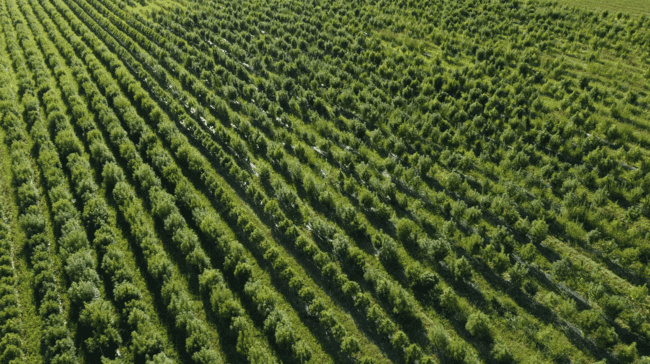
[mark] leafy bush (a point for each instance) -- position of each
(518, 274)
(628, 354)
(99, 317)
(478, 324)
(456, 351)
(435, 250)
(538, 231)
(400, 340)
(406, 231)
(388, 251)
(350, 345)
(562, 269)
(502, 354)
(462, 269)
(449, 300)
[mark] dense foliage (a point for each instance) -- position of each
(323, 182)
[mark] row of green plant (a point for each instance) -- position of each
(134, 312)
(349, 342)
(300, 349)
(56, 338)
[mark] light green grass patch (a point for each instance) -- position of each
(632, 7)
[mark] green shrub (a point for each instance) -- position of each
(473, 216)
(413, 354)
(639, 293)
(531, 288)
(435, 250)
(613, 305)
(502, 354)
(350, 345)
(518, 274)
(456, 351)
(605, 336)
(538, 231)
(562, 269)
(301, 351)
(462, 269)
(458, 209)
(478, 324)
(628, 354)
(449, 300)
(160, 358)
(388, 251)
(27, 195)
(99, 317)
(406, 231)
(439, 338)
(400, 340)
(556, 348)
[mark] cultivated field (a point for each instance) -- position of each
(247, 181)
(633, 7)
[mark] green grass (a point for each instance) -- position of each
(156, 5)
(633, 7)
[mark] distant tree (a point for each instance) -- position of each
(438, 337)
(366, 199)
(558, 349)
(589, 321)
(68, 143)
(448, 229)
(348, 100)
(205, 356)
(593, 236)
(32, 221)
(500, 261)
(11, 344)
(112, 174)
(528, 252)
(27, 195)
(96, 212)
